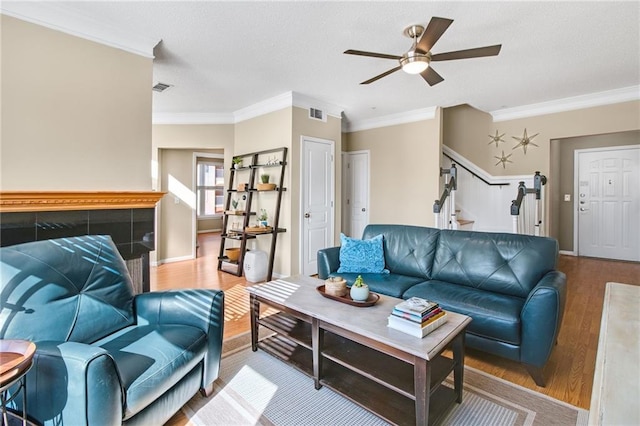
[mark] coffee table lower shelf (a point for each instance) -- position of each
(382, 385)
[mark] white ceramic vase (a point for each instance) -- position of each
(359, 294)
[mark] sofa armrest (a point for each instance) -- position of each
(541, 318)
(328, 261)
(74, 383)
(199, 308)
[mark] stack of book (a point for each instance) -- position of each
(417, 316)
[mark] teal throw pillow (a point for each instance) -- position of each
(361, 256)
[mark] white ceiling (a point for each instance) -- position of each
(225, 56)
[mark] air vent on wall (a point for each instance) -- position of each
(161, 87)
(317, 114)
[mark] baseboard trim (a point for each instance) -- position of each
(174, 259)
(568, 253)
(206, 231)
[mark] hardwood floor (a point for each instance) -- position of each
(571, 366)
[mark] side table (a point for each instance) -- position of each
(15, 361)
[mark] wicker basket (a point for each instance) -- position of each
(335, 286)
(232, 253)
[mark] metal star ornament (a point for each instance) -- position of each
(496, 139)
(504, 160)
(525, 141)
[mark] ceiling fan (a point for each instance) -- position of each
(418, 58)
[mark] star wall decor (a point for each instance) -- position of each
(525, 141)
(504, 160)
(496, 139)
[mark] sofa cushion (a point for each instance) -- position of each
(495, 316)
(408, 250)
(393, 285)
(501, 263)
(152, 358)
(68, 289)
(361, 256)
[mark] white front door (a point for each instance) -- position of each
(608, 203)
(317, 209)
(357, 192)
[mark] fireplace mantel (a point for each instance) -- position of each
(39, 201)
(127, 216)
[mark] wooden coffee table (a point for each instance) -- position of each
(351, 350)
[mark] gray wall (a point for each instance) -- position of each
(565, 149)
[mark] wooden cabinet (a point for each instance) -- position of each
(241, 221)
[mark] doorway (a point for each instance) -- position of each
(356, 192)
(607, 202)
(317, 173)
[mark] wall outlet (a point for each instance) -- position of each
(567, 197)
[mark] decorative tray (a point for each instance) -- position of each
(371, 300)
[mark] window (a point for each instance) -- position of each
(210, 187)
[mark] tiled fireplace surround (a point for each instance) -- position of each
(128, 217)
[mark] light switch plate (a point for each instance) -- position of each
(567, 197)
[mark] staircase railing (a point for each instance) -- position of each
(444, 209)
(521, 223)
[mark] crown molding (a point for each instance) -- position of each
(306, 102)
(192, 118)
(275, 103)
(60, 18)
(609, 97)
(264, 107)
(393, 119)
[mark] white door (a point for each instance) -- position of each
(317, 186)
(608, 203)
(357, 192)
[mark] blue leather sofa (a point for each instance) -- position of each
(507, 283)
(105, 356)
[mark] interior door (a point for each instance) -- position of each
(317, 185)
(608, 203)
(357, 192)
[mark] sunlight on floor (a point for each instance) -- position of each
(259, 389)
(237, 303)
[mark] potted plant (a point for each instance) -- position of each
(234, 204)
(237, 162)
(359, 290)
(262, 218)
(264, 178)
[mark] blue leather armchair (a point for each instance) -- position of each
(105, 356)
(507, 284)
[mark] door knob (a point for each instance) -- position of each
(582, 209)
(307, 215)
(364, 210)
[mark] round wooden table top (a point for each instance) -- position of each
(15, 358)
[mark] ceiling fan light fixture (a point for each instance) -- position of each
(414, 63)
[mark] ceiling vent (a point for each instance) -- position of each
(161, 87)
(317, 114)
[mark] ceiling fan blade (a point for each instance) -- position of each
(371, 54)
(435, 29)
(431, 76)
(384, 74)
(478, 52)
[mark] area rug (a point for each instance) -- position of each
(255, 388)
